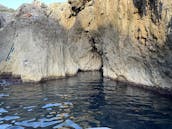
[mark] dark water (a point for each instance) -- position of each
(83, 101)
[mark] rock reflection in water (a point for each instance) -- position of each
(84, 101)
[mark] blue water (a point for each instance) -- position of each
(84, 101)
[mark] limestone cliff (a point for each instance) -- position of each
(129, 39)
(36, 47)
(6, 15)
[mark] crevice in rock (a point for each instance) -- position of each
(77, 6)
(2, 21)
(9, 54)
(169, 35)
(92, 41)
(141, 6)
(97, 50)
(155, 6)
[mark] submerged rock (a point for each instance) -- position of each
(128, 40)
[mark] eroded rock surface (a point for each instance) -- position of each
(35, 47)
(6, 16)
(129, 39)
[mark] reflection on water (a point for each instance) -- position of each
(84, 101)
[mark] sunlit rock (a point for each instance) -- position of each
(129, 40)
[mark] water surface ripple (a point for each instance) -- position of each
(84, 101)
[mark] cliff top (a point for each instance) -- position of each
(5, 9)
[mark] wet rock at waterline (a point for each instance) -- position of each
(127, 41)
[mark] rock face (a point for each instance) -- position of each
(130, 40)
(6, 15)
(36, 47)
